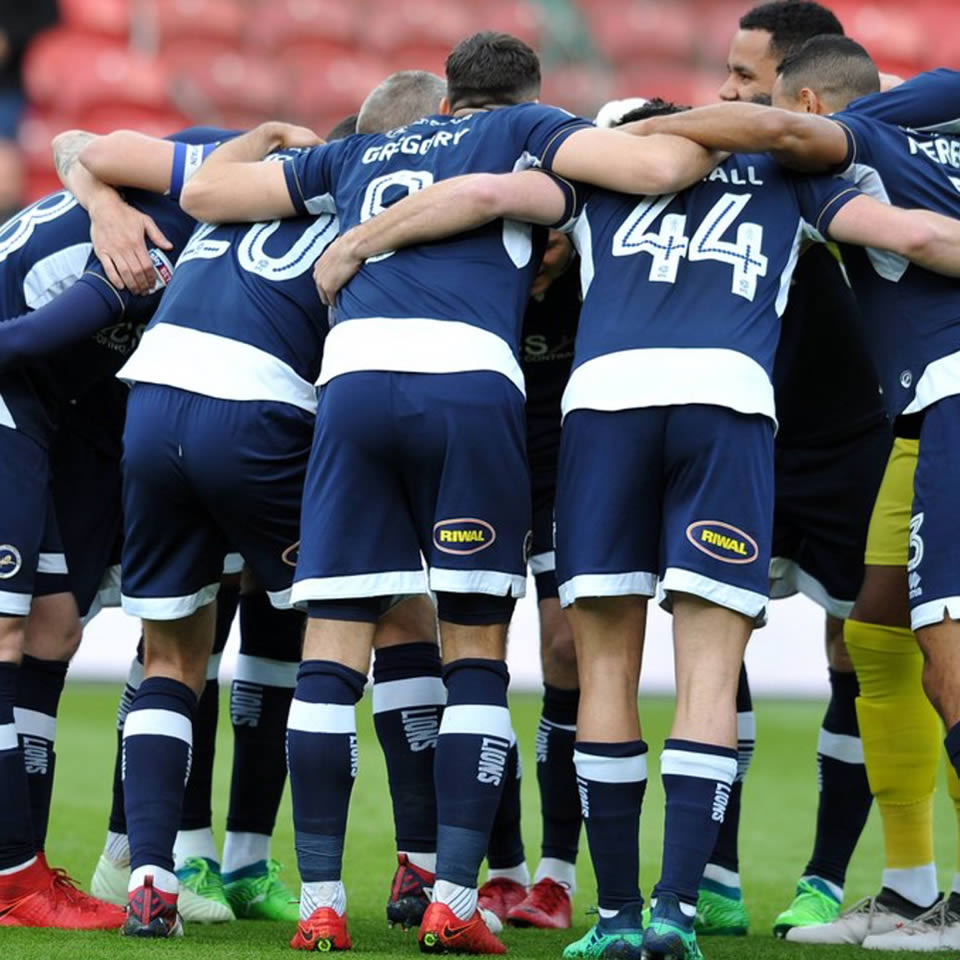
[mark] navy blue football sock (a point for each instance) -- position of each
(16, 827)
(952, 744)
(39, 685)
(845, 796)
(726, 854)
(322, 750)
(118, 816)
(505, 849)
(697, 778)
(612, 779)
(471, 762)
(263, 684)
(408, 700)
(157, 741)
(556, 774)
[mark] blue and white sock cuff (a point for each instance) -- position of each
(266, 672)
(306, 717)
(159, 723)
(601, 769)
(840, 746)
(703, 765)
(389, 695)
(33, 723)
(8, 736)
(478, 719)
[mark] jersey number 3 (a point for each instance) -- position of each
(670, 243)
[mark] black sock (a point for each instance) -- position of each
(845, 796)
(16, 829)
(505, 849)
(118, 818)
(556, 774)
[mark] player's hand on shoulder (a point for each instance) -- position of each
(335, 269)
(289, 135)
(121, 236)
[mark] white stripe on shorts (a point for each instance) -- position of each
(933, 611)
(543, 562)
(52, 563)
(608, 585)
(493, 583)
(15, 604)
(169, 608)
(747, 602)
(357, 586)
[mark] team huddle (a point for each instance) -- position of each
(358, 387)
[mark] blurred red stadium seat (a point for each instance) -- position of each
(396, 24)
(893, 34)
(72, 70)
(37, 129)
(578, 87)
(280, 23)
(624, 30)
(119, 116)
(519, 17)
(679, 84)
(39, 183)
(329, 87)
(198, 19)
(110, 17)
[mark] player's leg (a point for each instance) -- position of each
(195, 857)
(718, 511)
(609, 500)
(408, 700)
(271, 642)
(172, 559)
(358, 547)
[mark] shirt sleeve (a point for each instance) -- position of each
(312, 176)
(928, 102)
(190, 148)
(543, 129)
(821, 199)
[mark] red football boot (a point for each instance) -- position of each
(409, 893)
(500, 896)
(152, 913)
(323, 930)
(442, 931)
(40, 897)
(546, 906)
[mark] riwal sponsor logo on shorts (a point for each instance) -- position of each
(10, 561)
(723, 541)
(463, 535)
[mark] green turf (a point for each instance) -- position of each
(777, 830)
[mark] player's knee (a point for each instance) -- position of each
(837, 654)
(883, 597)
(557, 648)
(412, 620)
(11, 639)
(53, 630)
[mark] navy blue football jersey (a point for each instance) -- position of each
(461, 302)
(912, 315)
(929, 101)
(241, 319)
(683, 293)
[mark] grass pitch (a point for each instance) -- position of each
(778, 820)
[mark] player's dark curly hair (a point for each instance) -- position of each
(652, 108)
(492, 69)
(791, 23)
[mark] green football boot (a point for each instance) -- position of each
(720, 911)
(813, 904)
(670, 935)
(257, 893)
(202, 899)
(614, 938)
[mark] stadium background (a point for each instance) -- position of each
(160, 65)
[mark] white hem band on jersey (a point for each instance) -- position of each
(169, 608)
(670, 377)
(358, 586)
(933, 611)
(677, 580)
(232, 563)
(415, 345)
(215, 366)
(15, 604)
(543, 562)
(788, 578)
(636, 583)
(940, 379)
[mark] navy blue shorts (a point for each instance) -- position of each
(824, 499)
(411, 464)
(933, 567)
(683, 494)
(543, 560)
(203, 477)
(32, 561)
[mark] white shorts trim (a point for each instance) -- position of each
(610, 769)
(33, 723)
(322, 717)
(543, 562)
(409, 693)
(6, 418)
(158, 723)
(280, 599)
(934, 611)
(705, 766)
(607, 585)
(416, 345)
(677, 580)
(266, 672)
(358, 585)
(746, 726)
(109, 592)
(839, 746)
(15, 604)
(787, 578)
(52, 563)
(8, 736)
(232, 563)
(169, 608)
(479, 719)
(491, 582)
